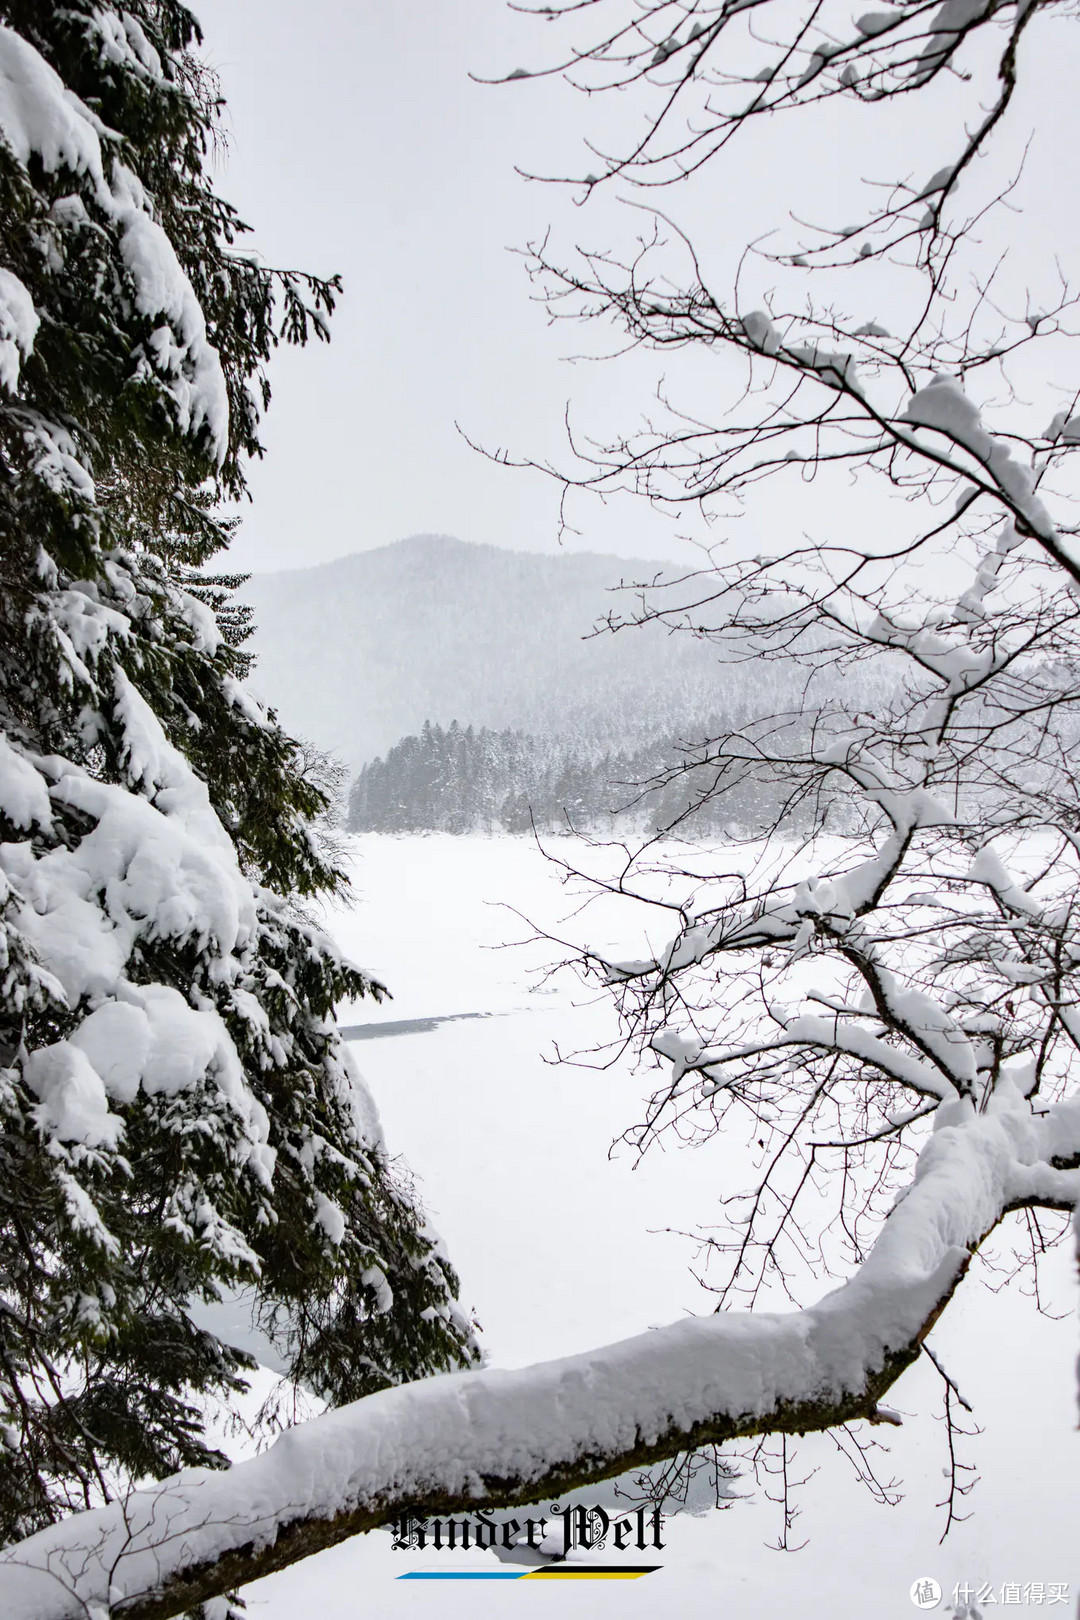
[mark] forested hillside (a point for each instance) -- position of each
(467, 686)
(360, 652)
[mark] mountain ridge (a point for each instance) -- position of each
(451, 542)
(360, 651)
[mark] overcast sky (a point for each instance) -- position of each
(359, 144)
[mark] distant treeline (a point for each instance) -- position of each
(463, 780)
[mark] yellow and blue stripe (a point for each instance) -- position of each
(550, 1572)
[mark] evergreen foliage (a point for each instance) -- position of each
(179, 1115)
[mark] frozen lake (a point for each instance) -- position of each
(562, 1245)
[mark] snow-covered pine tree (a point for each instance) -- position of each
(178, 1113)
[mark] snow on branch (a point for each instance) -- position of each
(40, 118)
(500, 1438)
(697, 68)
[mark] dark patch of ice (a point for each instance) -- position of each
(404, 1026)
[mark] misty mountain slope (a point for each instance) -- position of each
(357, 653)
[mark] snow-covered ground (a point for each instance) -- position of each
(562, 1246)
